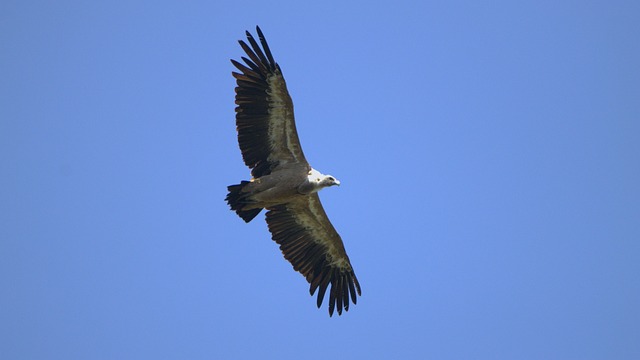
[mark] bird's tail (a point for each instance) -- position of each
(237, 199)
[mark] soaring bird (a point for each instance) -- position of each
(282, 180)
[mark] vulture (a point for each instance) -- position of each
(282, 181)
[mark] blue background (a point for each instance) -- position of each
(489, 154)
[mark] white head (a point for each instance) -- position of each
(318, 180)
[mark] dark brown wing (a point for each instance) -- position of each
(312, 245)
(264, 116)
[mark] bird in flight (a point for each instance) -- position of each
(282, 180)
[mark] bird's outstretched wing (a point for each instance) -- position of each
(266, 127)
(312, 245)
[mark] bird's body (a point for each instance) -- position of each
(283, 182)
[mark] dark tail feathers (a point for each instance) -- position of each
(236, 199)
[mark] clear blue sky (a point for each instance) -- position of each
(489, 156)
